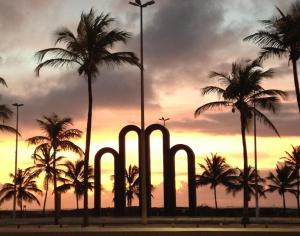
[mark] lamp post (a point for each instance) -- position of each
(17, 105)
(163, 119)
(255, 161)
(138, 3)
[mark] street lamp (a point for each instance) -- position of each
(17, 105)
(163, 119)
(138, 3)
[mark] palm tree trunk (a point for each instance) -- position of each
(283, 200)
(55, 188)
(77, 205)
(245, 219)
(45, 199)
(215, 194)
(296, 82)
(87, 150)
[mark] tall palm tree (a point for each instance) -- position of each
(25, 186)
(58, 136)
(241, 89)
(293, 160)
(215, 172)
(89, 49)
(239, 182)
(43, 163)
(281, 37)
(5, 113)
(282, 181)
(74, 179)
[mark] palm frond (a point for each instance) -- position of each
(211, 105)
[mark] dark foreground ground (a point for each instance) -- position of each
(207, 222)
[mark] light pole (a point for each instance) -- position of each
(255, 161)
(163, 119)
(138, 3)
(17, 105)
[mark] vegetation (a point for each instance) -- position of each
(215, 172)
(281, 37)
(5, 113)
(89, 49)
(26, 188)
(74, 179)
(57, 136)
(241, 89)
(282, 181)
(239, 182)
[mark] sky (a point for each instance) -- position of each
(183, 42)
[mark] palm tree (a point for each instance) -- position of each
(293, 160)
(239, 182)
(5, 113)
(132, 183)
(281, 37)
(215, 172)
(25, 186)
(282, 181)
(58, 136)
(73, 178)
(43, 161)
(89, 49)
(242, 88)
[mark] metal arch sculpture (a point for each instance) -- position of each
(191, 177)
(119, 199)
(166, 173)
(122, 152)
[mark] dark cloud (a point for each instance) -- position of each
(67, 95)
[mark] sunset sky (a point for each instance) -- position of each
(183, 42)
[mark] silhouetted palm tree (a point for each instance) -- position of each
(282, 181)
(215, 172)
(281, 37)
(58, 136)
(89, 49)
(132, 184)
(241, 89)
(293, 160)
(25, 186)
(239, 182)
(5, 113)
(43, 163)
(74, 179)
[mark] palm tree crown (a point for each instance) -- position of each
(280, 37)
(90, 48)
(239, 182)
(5, 113)
(73, 178)
(293, 160)
(25, 186)
(282, 181)
(215, 172)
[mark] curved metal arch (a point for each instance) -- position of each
(122, 152)
(166, 149)
(191, 177)
(119, 199)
